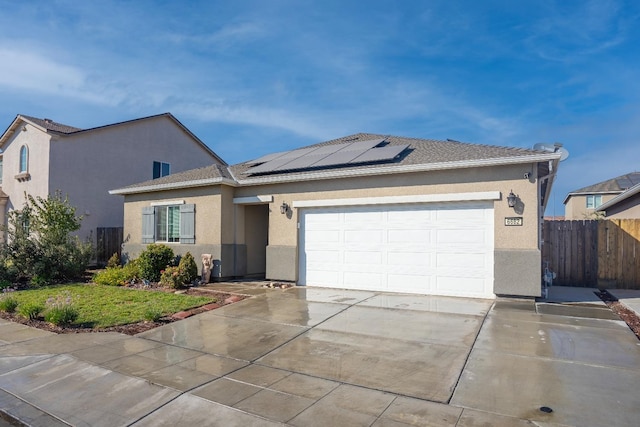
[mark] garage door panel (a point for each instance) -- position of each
(409, 283)
(325, 218)
(464, 236)
(410, 235)
(323, 257)
(323, 236)
(363, 257)
(441, 248)
(362, 280)
(471, 260)
(404, 216)
(363, 237)
(359, 217)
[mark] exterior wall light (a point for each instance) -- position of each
(511, 199)
(284, 208)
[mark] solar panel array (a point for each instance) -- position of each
(326, 156)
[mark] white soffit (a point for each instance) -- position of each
(385, 200)
(252, 200)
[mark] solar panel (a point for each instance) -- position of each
(380, 154)
(330, 149)
(284, 158)
(341, 157)
(325, 156)
(359, 145)
(266, 158)
(303, 162)
(294, 154)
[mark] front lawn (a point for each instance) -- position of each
(106, 306)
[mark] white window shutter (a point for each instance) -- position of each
(188, 224)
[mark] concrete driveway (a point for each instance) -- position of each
(318, 357)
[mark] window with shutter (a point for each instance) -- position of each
(171, 223)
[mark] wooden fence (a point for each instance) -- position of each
(108, 242)
(596, 253)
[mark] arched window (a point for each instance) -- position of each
(24, 159)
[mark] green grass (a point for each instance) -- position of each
(103, 306)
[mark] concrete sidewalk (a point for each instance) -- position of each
(629, 297)
(310, 356)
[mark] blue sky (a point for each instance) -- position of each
(252, 77)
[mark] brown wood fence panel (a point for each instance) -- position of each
(604, 253)
(108, 242)
(619, 253)
(570, 250)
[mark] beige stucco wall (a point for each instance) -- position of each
(576, 207)
(208, 201)
(38, 166)
(87, 165)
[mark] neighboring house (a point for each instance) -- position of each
(624, 206)
(40, 156)
(587, 202)
(362, 212)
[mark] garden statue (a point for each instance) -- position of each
(206, 267)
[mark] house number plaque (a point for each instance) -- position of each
(513, 221)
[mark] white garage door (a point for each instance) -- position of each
(432, 248)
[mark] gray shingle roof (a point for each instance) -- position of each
(420, 151)
(421, 154)
(49, 124)
(614, 185)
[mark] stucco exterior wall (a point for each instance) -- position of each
(37, 184)
(210, 231)
(87, 165)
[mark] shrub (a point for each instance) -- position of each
(188, 267)
(30, 311)
(114, 261)
(153, 260)
(117, 276)
(38, 281)
(172, 277)
(60, 310)
(7, 302)
(61, 316)
(111, 277)
(152, 314)
(40, 247)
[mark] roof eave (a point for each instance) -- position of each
(173, 186)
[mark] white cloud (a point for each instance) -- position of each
(26, 70)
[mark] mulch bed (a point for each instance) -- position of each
(133, 328)
(628, 316)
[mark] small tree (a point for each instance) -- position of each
(40, 245)
(189, 267)
(153, 260)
